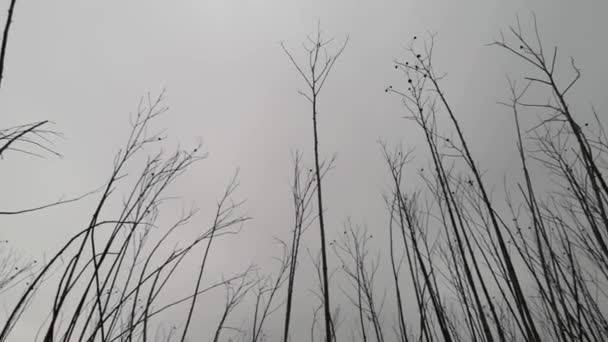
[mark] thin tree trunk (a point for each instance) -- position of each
(7, 27)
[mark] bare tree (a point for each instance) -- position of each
(554, 239)
(266, 292)
(303, 190)
(117, 267)
(224, 218)
(234, 296)
(361, 269)
(7, 26)
(320, 64)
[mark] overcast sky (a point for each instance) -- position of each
(84, 65)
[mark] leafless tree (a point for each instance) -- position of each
(320, 64)
(117, 267)
(361, 269)
(234, 296)
(7, 26)
(485, 259)
(303, 190)
(266, 291)
(224, 218)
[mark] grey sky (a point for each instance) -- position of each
(84, 66)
